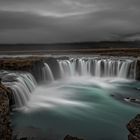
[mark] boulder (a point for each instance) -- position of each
(68, 137)
(134, 128)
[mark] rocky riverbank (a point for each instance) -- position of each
(5, 124)
(134, 128)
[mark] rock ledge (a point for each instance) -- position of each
(134, 128)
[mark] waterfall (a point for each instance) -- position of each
(96, 67)
(22, 84)
(47, 73)
(66, 68)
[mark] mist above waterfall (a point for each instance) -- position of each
(64, 93)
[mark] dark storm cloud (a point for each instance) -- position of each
(23, 20)
(17, 20)
(69, 20)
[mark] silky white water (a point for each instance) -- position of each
(124, 68)
(47, 73)
(22, 85)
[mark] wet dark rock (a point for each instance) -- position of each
(36, 70)
(92, 65)
(5, 123)
(77, 66)
(54, 66)
(130, 100)
(102, 68)
(29, 133)
(138, 70)
(68, 137)
(131, 71)
(33, 65)
(133, 100)
(63, 58)
(134, 128)
(8, 78)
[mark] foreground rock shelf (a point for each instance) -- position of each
(68, 137)
(5, 125)
(134, 128)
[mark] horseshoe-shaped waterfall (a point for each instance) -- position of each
(83, 96)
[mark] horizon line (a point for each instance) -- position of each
(76, 42)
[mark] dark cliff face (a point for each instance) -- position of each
(36, 70)
(134, 128)
(5, 126)
(138, 70)
(33, 65)
(54, 66)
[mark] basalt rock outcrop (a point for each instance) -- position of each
(29, 64)
(34, 65)
(138, 70)
(134, 128)
(5, 125)
(68, 137)
(54, 66)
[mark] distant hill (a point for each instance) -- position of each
(71, 46)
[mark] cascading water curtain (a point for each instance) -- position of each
(124, 68)
(22, 86)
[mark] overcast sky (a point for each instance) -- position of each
(49, 21)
